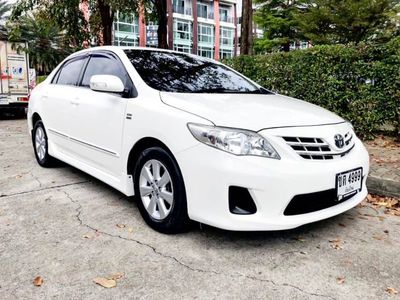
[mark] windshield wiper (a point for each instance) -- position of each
(223, 90)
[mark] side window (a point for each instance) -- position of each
(70, 71)
(103, 65)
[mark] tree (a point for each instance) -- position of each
(348, 21)
(5, 9)
(65, 14)
(246, 40)
(278, 19)
(325, 21)
(103, 12)
(68, 15)
(161, 11)
(46, 43)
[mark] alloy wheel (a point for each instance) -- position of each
(156, 189)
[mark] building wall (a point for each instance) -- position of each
(216, 25)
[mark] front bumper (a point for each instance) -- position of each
(208, 173)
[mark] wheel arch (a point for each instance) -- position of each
(35, 117)
(142, 144)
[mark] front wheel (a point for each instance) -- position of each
(160, 191)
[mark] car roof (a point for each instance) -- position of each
(116, 48)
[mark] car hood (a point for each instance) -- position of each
(249, 111)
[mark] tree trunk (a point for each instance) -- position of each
(161, 10)
(107, 18)
(246, 43)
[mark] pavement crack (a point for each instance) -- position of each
(37, 179)
(44, 189)
(78, 217)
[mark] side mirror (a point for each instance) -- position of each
(106, 83)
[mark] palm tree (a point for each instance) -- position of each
(5, 8)
(46, 44)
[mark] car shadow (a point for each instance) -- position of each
(201, 232)
(11, 116)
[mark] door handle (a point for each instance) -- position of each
(75, 103)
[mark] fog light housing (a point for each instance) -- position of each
(240, 201)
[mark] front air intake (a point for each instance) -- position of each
(240, 201)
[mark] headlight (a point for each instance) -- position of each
(235, 141)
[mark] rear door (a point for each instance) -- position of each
(58, 100)
(99, 116)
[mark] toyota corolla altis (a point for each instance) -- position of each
(193, 139)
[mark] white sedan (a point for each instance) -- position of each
(193, 139)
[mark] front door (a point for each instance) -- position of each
(100, 116)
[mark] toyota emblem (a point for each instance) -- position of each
(339, 140)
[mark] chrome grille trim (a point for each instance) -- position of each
(317, 148)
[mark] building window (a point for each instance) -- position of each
(223, 15)
(179, 7)
(183, 48)
(202, 10)
(205, 34)
(182, 30)
(226, 38)
(224, 53)
(205, 51)
(126, 30)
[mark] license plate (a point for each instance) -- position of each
(348, 183)
(3, 100)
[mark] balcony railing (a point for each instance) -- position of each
(226, 19)
(182, 10)
(209, 16)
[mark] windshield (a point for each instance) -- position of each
(182, 73)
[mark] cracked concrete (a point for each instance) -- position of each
(60, 224)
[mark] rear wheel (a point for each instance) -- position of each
(40, 145)
(160, 191)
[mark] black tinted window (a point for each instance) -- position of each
(103, 65)
(69, 73)
(174, 72)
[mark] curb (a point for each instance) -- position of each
(384, 187)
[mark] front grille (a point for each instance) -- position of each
(318, 148)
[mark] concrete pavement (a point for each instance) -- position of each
(61, 224)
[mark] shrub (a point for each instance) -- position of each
(360, 83)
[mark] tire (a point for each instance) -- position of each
(161, 211)
(40, 146)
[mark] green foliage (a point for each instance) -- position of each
(360, 83)
(46, 44)
(278, 19)
(325, 22)
(348, 21)
(5, 8)
(40, 79)
(65, 15)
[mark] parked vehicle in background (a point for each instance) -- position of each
(14, 87)
(193, 139)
